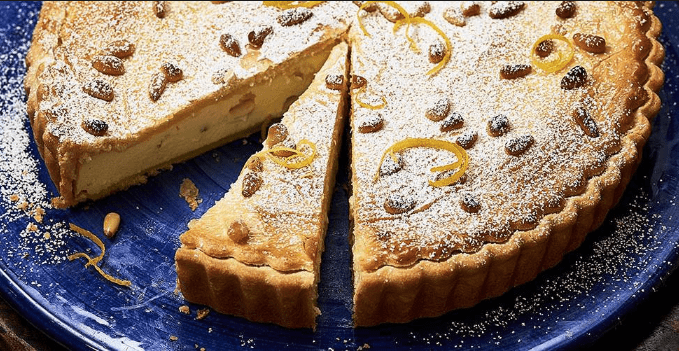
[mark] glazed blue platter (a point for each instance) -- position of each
(566, 307)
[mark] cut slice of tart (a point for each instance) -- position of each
(256, 253)
(119, 90)
(477, 163)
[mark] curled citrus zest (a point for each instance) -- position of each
(560, 62)
(449, 45)
(369, 106)
(393, 4)
(94, 261)
(291, 4)
(461, 164)
(289, 162)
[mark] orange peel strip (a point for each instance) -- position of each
(88, 234)
(285, 161)
(93, 261)
(560, 62)
(462, 158)
(285, 5)
(398, 8)
(449, 45)
(372, 107)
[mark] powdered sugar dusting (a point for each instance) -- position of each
(285, 215)
(514, 191)
(24, 199)
(95, 26)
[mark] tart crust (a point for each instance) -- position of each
(273, 278)
(270, 274)
(188, 118)
(395, 286)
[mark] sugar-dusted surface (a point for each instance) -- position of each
(93, 27)
(619, 266)
(514, 191)
(285, 215)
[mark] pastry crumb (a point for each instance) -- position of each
(38, 214)
(32, 227)
(364, 347)
(173, 338)
(202, 313)
(184, 309)
(14, 197)
(189, 192)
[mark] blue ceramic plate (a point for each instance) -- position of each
(569, 305)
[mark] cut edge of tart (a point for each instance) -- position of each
(257, 252)
(87, 82)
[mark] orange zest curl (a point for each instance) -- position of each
(94, 261)
(285, 5)
(372, 107)
(449, 45)
(560, 62)
(398, 8)
(461, 164)
(298, 159)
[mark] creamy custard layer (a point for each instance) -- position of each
(217, 123)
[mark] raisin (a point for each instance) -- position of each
(470, 203)
(519, 145)
(108, 64)
(566, 9)
(334, 81)
(120, 49)
(294, 16)
(371, 124)
(467, 139)
(586, 122)
(172, 72)
(437, 52)
(453, 121)
(545, 48)
(95, 127)
(358, 82)
(389, 166)
(255, 164)
(252, 181)
(439, 111)
(470, 8)
(498, 125)
(99, 89)
(257, 36)
(160, 8)
(505, 9)
(515, 71)
(575, 78)
(278, 132)
(590, 43)
(454, 16)
(230, 45)
(398, 203)
(157, 86)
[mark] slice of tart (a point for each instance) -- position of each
(256, 253)
(119, 90)
(488, 140)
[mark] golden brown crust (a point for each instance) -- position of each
(59, 64)
(425, 289)
(258, 293)
(273, 236)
